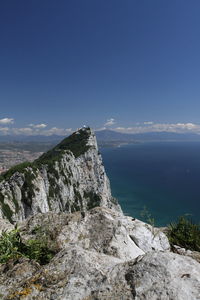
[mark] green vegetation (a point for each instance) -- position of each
(76, 143)
(52, 186)
(93, 199)
(18, 168)
(185, 233)
(7, 211)
(6, 208)
(39, 251)
(27, 188)
(65, 178)
(14, 200)
(78, 201)
(28, 183)
(12, 247)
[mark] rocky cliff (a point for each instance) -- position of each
(70, 177)
(73, 241)
(101, 255)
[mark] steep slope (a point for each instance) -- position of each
(70, 177)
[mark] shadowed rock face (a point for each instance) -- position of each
(70, 177)
(98, 260)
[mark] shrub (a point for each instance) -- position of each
(5, 208)
(39, 251)
(9, 246)
(12, 247)
(93, 199)
(76, 143)
(17, 168)
(185, 233)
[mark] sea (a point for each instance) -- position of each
(157, 181)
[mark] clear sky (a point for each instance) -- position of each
(68, 63)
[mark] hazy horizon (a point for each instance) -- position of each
(131, 66)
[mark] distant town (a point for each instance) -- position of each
(14, 153)
(9, 158)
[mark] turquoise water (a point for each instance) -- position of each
(164, 177)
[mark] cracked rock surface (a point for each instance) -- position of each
(98, 259)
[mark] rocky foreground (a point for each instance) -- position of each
(102, 254)
(99, 254)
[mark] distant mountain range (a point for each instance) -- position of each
(110, 135)
(107, 136)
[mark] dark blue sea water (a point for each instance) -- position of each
(164, 177)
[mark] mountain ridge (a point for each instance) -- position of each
(108, 135)
(68, 177)
(111, 135)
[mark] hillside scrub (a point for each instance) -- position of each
(21, 168)
(185, 233)
(76, 143)
(12, 247)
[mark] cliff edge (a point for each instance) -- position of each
(70, 177)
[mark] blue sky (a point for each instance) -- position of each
(64, 64)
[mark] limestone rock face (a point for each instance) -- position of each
(143, 233)
(101, 229)
(182, 251)
(70, 177)
(98, 260)
(166, 276)
(64, 199)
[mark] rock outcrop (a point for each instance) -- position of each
(64, 199)
(70, 177)
(97, 259)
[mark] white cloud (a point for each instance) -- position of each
(120, 128)
(188, 126)
(110, 122)
(57, 131)
(39, 126)
(35, 131)
(40, 129)
(123, 128)
(23, 131)
(160, 127)
(6, 121)
(100, 128)
(148, 123)
(4, 130)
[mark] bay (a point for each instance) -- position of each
(163, 177)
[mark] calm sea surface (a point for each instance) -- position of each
(164, 177)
